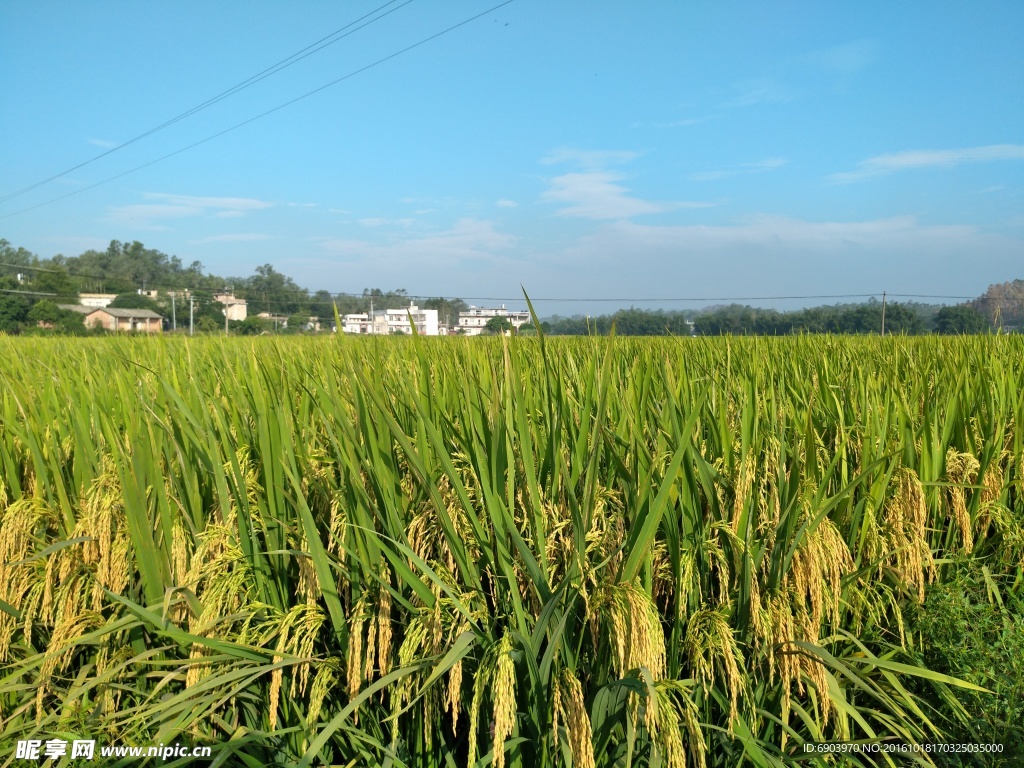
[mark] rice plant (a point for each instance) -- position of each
(515, 552)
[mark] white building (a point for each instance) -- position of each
(473, 320)
(361, 322)
(280, 321)
(234, 308)
(425, 320)
(393, 321)
(96, 299)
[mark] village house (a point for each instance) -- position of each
(131, 320)
(393, 321)
(234, 308)
(475, 319)
(363, 322)
(96, 299)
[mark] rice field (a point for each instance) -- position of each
(509, 552)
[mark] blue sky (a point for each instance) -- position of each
(588, 150)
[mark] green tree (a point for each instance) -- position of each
(447, 309)
(1003, 304)
(44, 312)
(135, 301)
(270, 289)
(60, 320)
(13, 312)
(960, 319)
(57, 282)
(207, 324)
(251, 326)
(206, 308)
(497, 325)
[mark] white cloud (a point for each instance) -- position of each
(381, 222)
(768, 255)
(759, 91)
(761, 255)
(779, 241)
(104, 143)
(467, 241)
(595, 195)
(302, 205)
(79, 244)
(239, 237)
(148, 215)
(743, 168)
(215, 203)
(681, 123)
(440, 202)
(507, 204)
(929, 158)
(588, 159)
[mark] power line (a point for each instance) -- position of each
(272, 70)
(27, 293)
(263, 114)
(53, 271)
(309, 294)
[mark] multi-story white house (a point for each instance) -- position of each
(234, 308)
(473, 320)
(425, 320)
(363, 322)
(96, 299)
(393, 321)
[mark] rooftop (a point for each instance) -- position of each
(138, 314)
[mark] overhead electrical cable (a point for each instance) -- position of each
(27, 293)
(309, 50)
(309, 294)
(262, 114)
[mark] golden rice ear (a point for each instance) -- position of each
(569, 702)
(20, 584)
(961, 470)
(633, 627)
(354, 656)
(504, 696)
(453, 695)
(384, 631)
(904, 537)
(276, 678)
(323, 682)
(710, 643)
(742, 486)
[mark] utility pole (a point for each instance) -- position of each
(191, 315)
(883, 313)
(225, 320)
(174, 314)
(373, 326)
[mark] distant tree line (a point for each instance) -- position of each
(125, 269)
(31, 290)
(742, 320)
(900, 318)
